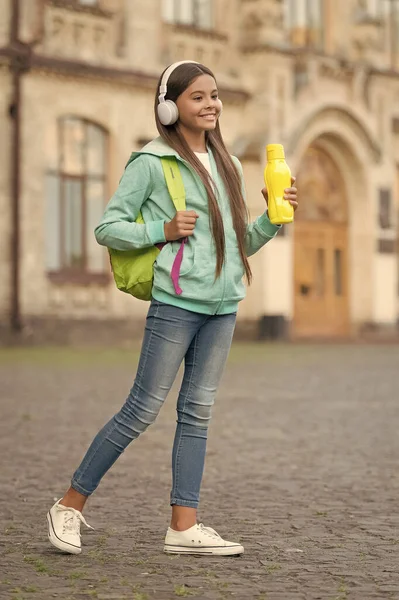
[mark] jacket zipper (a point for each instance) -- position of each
(224, 267)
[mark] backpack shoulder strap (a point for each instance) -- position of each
(174, 182)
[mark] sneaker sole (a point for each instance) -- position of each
(218, 551)
(57, 543)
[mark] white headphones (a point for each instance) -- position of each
(168, 112)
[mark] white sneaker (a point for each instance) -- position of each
(64, 528)
(199, 540)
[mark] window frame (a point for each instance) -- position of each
(308, 16)
(67, 273)
(195, 9)
(90, 3)
(376, 9)
(385, 206)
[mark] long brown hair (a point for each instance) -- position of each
(181, 78)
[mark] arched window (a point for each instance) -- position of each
(76, 194)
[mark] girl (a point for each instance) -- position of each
(194, 322)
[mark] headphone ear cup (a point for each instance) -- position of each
(168, 112)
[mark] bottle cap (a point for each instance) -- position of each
(275, 151)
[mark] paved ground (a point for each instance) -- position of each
(302, 469)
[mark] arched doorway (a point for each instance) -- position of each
(321, 295)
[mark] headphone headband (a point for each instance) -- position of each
(163, 88)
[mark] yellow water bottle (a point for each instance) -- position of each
(277, 179)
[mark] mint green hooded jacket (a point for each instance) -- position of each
(143, 188)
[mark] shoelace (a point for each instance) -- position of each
(209, 531)
(72, 520)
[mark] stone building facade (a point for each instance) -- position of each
(77, 81)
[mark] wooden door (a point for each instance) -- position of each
(321, 282)
(321, 302)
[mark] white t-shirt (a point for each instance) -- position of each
(204, 158)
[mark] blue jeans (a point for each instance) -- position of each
(171, 335)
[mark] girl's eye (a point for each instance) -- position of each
(215, 97)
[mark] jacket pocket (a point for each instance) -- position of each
(235, 287)
(164, 263)
(163, 257)
(197, 273)
(199, 282)
(188, 261)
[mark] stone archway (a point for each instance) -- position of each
(321, 294)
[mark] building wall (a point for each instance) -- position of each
(270, 94)
(127, 116)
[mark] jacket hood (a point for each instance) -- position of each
(157, 147)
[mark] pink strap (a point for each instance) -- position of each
(175, 273)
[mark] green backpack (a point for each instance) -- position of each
(133, 270)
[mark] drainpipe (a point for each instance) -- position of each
(19, 63)
(15, 108)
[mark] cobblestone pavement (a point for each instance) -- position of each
(302, 468)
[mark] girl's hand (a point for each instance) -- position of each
(290, 194)
(182, 225)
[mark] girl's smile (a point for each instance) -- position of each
(209, 117)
